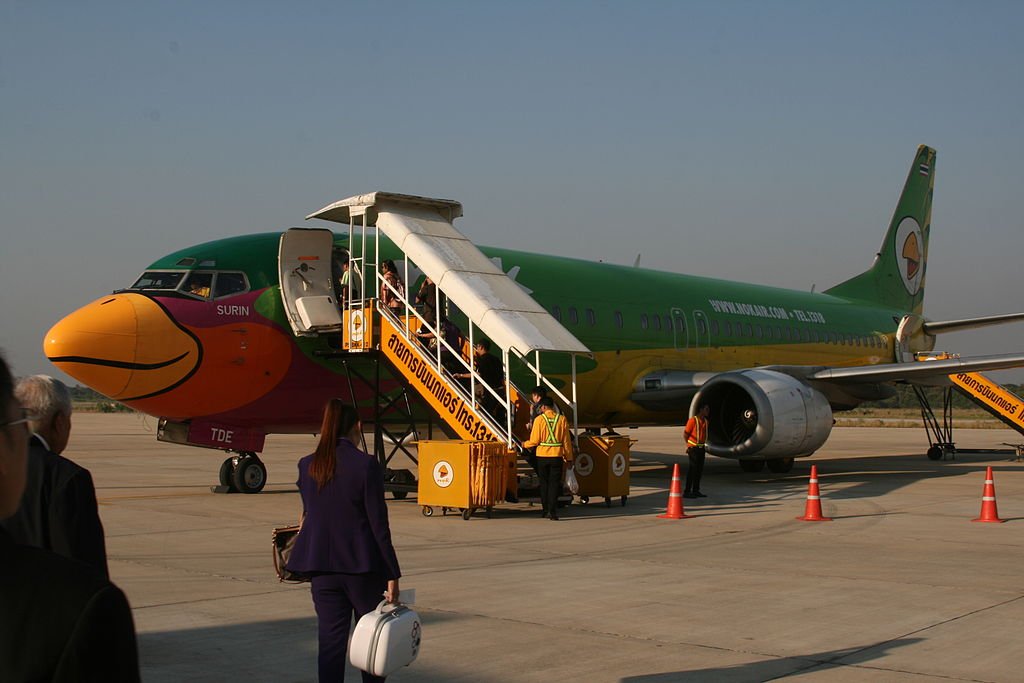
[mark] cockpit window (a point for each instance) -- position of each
(199, 284)
(229, 283)
(159, 280)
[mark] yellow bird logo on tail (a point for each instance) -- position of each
(912, 254)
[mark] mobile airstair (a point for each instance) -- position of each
(983, 391)
(408, 375)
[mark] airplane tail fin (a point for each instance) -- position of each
(896, 278)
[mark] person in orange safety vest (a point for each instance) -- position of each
(696, 434)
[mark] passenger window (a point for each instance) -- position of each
(643, 321)
(702, 326)
(748, 331)
(758, 332)
(768, 331)
(804, 334)
(657, 322)
(728, 328)
(714, 327)
(199, 284)
(574, 316)
(556, 313)
(618, 319)
(591, 317)
(226, 284)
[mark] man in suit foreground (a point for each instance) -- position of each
(59, 621)
(58, 511)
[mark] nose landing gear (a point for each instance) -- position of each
(242, 473)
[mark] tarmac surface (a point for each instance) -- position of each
(901, 586)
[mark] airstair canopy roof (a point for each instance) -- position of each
(422, 229)
(344, 210)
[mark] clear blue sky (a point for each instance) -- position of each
(761, 141)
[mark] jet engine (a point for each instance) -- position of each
(763, 413)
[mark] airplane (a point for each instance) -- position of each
(204, 341)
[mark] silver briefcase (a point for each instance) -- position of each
(386, 639)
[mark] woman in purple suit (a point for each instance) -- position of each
(345, 541)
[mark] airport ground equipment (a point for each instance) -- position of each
(412, 381)
(602, 468)
(994, 398)
(463, 475)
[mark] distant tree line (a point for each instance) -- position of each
(85, 395)
(905, 397)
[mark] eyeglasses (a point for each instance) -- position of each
(25, 418)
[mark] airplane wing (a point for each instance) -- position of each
(915, 372)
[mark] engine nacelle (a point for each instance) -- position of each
(764, 413)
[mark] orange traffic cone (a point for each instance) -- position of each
(675, 497)
(988, 501)
(812, 513)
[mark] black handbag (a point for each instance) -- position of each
(284, 540)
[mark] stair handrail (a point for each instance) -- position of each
(435, 362)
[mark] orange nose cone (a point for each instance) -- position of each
(124, 346)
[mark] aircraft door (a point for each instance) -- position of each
(701, 335)
(307, 284)
(679, 339)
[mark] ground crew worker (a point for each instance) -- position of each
(550, 436)
(696, 433)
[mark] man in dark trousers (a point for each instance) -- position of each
(696, 433)
(551, 437)
(59, 622)
(58, 511)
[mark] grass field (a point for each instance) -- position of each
(964, 418)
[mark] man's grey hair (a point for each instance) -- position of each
(44, 398)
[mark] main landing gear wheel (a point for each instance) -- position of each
(935, 453)
(400, 477)
(752, 466)
(780, 465)
(428, 511)
(227, 470)
(250, 474)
